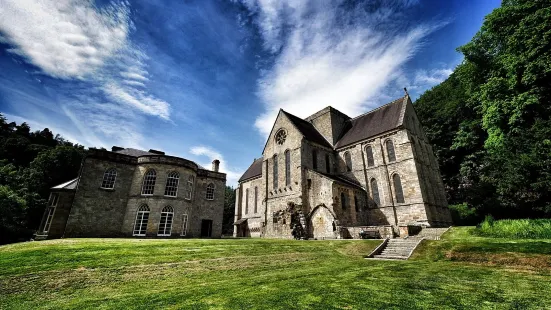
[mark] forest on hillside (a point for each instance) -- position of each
(489, 122)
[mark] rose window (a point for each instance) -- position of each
(280, 137)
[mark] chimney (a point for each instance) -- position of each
(215, 165)
(116, 148)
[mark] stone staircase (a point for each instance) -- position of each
(398, 248)
(431, 233)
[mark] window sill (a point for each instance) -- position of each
(107, 189)
(147, 195)
(209, 199)
(166, 196)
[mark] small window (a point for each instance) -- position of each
(343, 201)
(398, 188)
(375, 192)
(369, 154)
(255, 199)
(172, 180)
(142, 217)
(315, 159)
(348, 161)
(184, 225)
(210, 192)
(109, 177)
(287, 168)
(327, 163)
(275, 172)
(165, 226)
(390, 151)
(148, 185)
(189, 190)
(246, 201)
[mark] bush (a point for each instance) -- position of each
(462, 215)
(515, 229)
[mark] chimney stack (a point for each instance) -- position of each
(215, 165)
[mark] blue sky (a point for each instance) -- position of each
(204, 79)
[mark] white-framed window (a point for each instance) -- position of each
(165, 225)
(148, 185)
(210, 192)
(184, 225)
(142, 217)
(189, 190)
(109, 177)
(172, 181)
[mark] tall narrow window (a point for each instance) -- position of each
(343, 201)
(247, 201)
(356, 203)
(255, 199)
(210, 192)
(184, 224)
(327, 163)
(165, 226)
(398, 188)
(189, 189)
(109, 177)
(375, 192)
(369, 154)
(149, 182)
(172, 181)
(287, 168)
(54, 198)
(142, 217)
(315, 159)
(275, 172)
(390, 151)
(348, 161)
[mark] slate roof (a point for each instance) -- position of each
(134, 152)
(341, 179)
(308, 130)
(254, 170)
(71, 185)
(382, 119)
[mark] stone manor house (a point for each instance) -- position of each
(129, 192)
(334, 176)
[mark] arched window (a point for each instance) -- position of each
(356, 203)
(369, 154)
(315, 159)
(172, 180)
(165, 226)
(398, 188)
(210, 191)
(390, 151)
(246, 201)
(109, 177)
(348, 161)
(343, 201)
(149, 182)
(255, 199)
(375, 192)
(287, 168)
(327, 163)
(275, 171)
(142, 217)
(189, 189)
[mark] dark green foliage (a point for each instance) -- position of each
(30, 164)
(490, 121)
(229, 211)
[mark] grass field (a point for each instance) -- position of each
(460, 271)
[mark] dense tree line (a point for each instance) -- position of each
(30, 164)
(489, 122)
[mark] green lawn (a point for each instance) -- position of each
(460, 271)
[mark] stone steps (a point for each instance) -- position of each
(399, 249)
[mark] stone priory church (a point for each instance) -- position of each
(333, 176)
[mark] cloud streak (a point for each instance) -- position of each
(212, 154)
(331, 53)
(89, 48)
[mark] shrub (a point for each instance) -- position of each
(515, 229)
(462, 215)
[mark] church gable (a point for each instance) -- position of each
(286, 134)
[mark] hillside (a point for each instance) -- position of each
(460, 271)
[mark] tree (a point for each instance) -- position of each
(229, 211)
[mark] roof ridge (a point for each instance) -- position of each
(378, 108)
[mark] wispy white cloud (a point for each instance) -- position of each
(427, 78)
(74, 40)
(330, 53)
(232, 175)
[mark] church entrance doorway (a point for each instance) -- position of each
(206, 228)
(322, 222)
